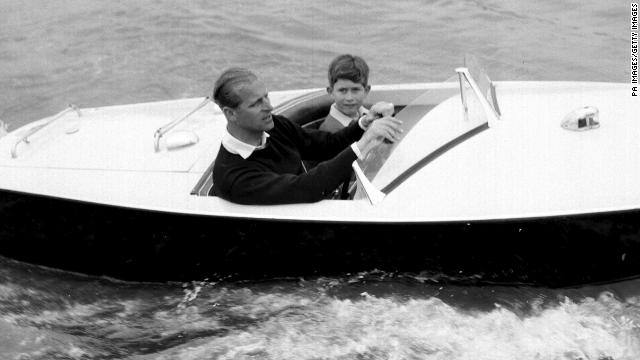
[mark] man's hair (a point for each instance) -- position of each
(348, 67)
(224, 90)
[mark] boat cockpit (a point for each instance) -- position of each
(427, 134)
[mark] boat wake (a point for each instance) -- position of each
(372, 315)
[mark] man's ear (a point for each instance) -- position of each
(367, 88)
(229, 113)
(329, 89)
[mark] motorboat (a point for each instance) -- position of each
(515, 182)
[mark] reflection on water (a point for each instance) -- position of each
(376, 315)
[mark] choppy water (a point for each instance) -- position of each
(45, 315)
(93, 53)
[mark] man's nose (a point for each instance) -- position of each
(267, 105)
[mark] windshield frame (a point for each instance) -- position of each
(482, 91)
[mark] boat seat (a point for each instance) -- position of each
(310, 110)
(307, 111)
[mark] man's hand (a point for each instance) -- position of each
(384, 128)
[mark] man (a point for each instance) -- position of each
(260, 158)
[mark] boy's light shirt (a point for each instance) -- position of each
(344, 119)
(239, 147)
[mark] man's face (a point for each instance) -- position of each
(348, 96)
(254, 112)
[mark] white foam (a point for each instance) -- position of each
(290, 327)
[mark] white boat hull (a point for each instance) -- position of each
(522, 201)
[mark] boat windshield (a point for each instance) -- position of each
(436, 121)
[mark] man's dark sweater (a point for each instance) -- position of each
(274, 175)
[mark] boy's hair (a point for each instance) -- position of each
(224, 90)
(348, 67)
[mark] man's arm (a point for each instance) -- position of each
(243, 183)
(255, 186)
(321, 145)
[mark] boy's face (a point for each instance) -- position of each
(348, 96)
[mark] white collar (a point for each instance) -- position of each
(239, 147)
(342, 118)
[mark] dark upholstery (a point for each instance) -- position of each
(306, 109)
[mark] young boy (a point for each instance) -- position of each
(348, 87)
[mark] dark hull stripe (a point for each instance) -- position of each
(133, 244)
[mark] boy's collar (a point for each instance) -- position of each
(343, 119)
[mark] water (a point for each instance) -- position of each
(46, 314)
(94, 53)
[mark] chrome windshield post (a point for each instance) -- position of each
(25, 138)
(166, 128)
(4, 128)
(374, 195)
(492, 116)
(465, 107)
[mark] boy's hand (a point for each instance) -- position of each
(382, 108)
(378, 110)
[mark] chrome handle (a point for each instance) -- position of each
(35, 129)
(166, 128)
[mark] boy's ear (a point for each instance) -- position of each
(329, 89)
(367, 88)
